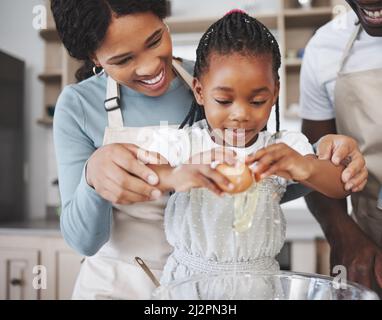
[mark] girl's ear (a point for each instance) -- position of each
(197, 89)
(95, 60)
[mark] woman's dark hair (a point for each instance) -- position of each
(82, 24)
(236, 32)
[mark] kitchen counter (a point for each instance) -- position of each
(301, 224)
(41, 227)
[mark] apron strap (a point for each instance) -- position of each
(349, 46)
(113, 104)
(113, 100)
(379, 205)
(182, 73)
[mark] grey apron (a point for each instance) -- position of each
(358, 106)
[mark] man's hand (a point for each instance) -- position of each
(344, 150)
(361, 257)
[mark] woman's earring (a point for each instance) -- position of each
(168, 28)
(99, 73)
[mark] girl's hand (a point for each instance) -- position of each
(197, 172)
(281, 160)
(119, 177)
(188, 176)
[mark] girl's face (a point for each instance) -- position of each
(137, 52)
(237, 93)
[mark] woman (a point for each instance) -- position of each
(112, 210)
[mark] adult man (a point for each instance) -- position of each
(341, 91)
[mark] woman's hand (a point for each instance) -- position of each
(281, 160)
(342, 149)
(119, 177)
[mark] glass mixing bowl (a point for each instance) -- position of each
(254, 286)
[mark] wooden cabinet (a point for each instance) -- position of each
(37, 267)
(59, 69)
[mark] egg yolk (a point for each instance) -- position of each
(240, 176)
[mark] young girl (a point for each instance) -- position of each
(236, 86)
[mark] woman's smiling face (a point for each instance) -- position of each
(137, 52)
(237, 93)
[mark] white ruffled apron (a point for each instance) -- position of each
(358, 105)
(137, 230)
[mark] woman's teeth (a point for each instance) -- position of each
(373, 14)
(155, 80)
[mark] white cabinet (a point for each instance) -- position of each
(65, 276)
(37, 267)
(16, 273)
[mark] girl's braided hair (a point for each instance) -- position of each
(236, 32)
